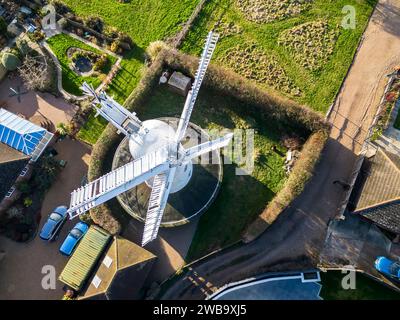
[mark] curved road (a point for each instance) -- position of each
(296, 238)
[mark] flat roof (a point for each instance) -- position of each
(83, 260)
(285, 287)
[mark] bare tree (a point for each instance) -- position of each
(34, 71)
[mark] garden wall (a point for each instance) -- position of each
(269, 103)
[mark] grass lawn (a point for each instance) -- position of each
(241, 198)
(145, 21)
(70, 80)
(366, 288)
(318, 83)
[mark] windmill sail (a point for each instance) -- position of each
(205, 59)
(158, 200)
(125, 121)
(118, 181)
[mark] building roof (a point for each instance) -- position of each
(376, 195)
(23, 135)
(386, 216)
(84, 259)
(381, 183)
(121, 273)
(11, 164)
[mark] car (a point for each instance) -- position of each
(73, 237)
(388, 267)
(54, 223)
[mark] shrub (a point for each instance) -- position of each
(23, 46)
(28, 202)
(100, 63)
(115, 46)
(155, 48)
(3, 26)
(10, 61)
(95, 23)
(24, 187)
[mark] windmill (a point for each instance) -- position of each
(17, 93)
(160, 160)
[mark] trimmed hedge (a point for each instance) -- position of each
(228, 83)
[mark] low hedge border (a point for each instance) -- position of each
(229, 83)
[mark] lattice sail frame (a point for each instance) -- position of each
(160, 164)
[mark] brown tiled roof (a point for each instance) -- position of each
(124, 278)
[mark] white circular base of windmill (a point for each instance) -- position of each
(194, 187)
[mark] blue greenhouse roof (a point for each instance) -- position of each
(22, 135)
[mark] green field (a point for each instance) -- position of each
(145, 21)
(366, 288)
(241, 198)
(308, 67)
(71, 81)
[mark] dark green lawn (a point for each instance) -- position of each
(366, 288)
(70, 80)
(318, 87)
(241, 198)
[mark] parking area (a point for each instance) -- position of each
(22, 263)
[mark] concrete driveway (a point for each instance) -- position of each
(33, 104)
(21, 267)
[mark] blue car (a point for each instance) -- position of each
(73, 237)
(388, 267)
(54, 223)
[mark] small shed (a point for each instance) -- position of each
(179, 83)
(82, 262)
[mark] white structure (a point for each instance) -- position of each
(160, 160)
(23, 135)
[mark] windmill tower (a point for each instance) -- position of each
(160, 160)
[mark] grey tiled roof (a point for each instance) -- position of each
(11, 164)
(385, 215)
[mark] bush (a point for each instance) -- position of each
(155, 48)
(3, 27)
(10, 61)
(95, 23)
(24, 187)
(23, 47)
(100, 63)
(115, 46)
(27, 202)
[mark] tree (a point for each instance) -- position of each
(35, 72)
(23, 47)
(10, 61)
(3, 26)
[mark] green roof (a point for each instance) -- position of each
(82, 261)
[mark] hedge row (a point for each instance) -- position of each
(301, 173)
(228, 83)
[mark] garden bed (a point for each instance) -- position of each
(303, 52)
(62, 46)
(225, 101)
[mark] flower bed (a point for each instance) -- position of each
(251, 62)
(264, 11)
(311, 43)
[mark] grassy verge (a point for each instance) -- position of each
(71, 81)
(318, 86)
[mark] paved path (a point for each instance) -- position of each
(21, 267)
(296, 238)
